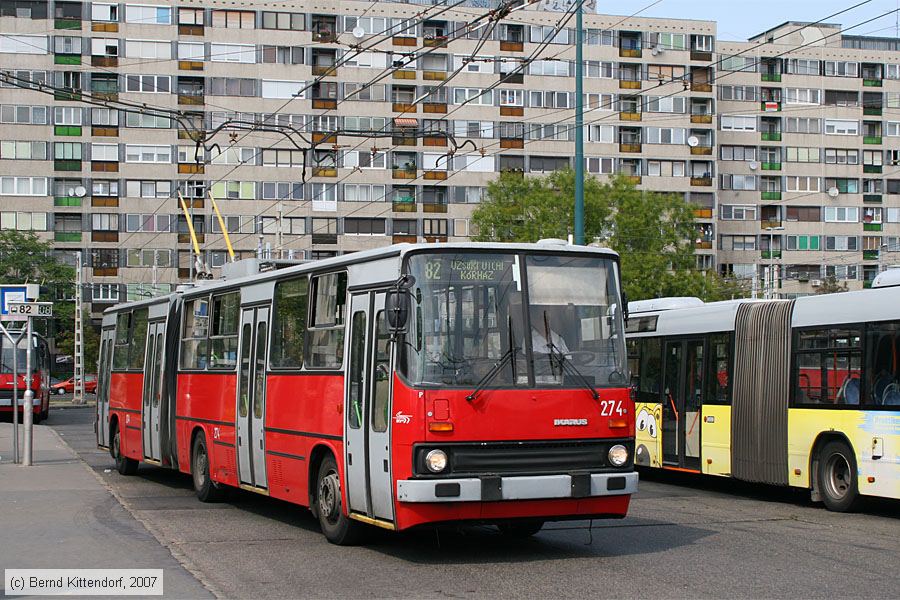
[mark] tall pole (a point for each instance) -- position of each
(28, 408)
(579, 124)
(78, 391)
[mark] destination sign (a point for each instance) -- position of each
(466, 269)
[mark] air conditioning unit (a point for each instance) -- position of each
(815, 282)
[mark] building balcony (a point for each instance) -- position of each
(191, 99)
(108, 96)
(105, 131)
(770, 136)
(71, 96)
(872, 111)
(191, 169)
(633, 179)
(870, 254)
(702, 119)
(438, 41)
(629, 84)
(185, 238)
(701, 151)
(404, 140)
(512, 46)
(190, 65)
(402, 40)
(702, 181)
(105, 236)
(770, 195)
(404, 239)
(67, 59)
(67, 23)
(701, 56)
(404, 204)
(190, 30)
(513, 78)
(434, 207)
(703, 245)
(770, 77)
(770, 106)
(701, 87)
(404, 74)
(404, 173)
(871, 226)
(434, 108)
(703, 213)
(321, 137)
(872, 83)
(872, 168)
(67, 236)
(324, 36)
(512, 143)
(106, 271)
(324, 103)
(630, 52)
(66, 201)
(434, 75)
(105, 201)
(325, 238)
(435, 175)
(104, 61)
(435, 239)
(434, 140)
(629, 116)
(105, 27)
(104, 166)
(767, 223)
(623, 147)
(67, 130)
(770, 254)
(771, 166)
(404, 107)
(190, 202)
(872, 139)
(512, 111)
(324, 70)
(872, 198)
(66, 165)
(324, 172)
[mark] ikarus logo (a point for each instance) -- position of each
(402, 419)
(570, 422)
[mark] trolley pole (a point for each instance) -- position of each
(579, 124)
(28, 404)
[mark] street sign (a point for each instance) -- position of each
(16, 293)
(20, 311)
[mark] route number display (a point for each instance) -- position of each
(30, 309)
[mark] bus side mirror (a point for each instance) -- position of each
(396, 303)
(625, 306)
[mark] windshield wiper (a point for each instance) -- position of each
(509, 355)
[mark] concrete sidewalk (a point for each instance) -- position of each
(58, 514)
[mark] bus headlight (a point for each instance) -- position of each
(436, 461)
(618, 455)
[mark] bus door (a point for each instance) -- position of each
(682, 394)
(251, 397)
(103, 375)
(153, 357)
(368, 409)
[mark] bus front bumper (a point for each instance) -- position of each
(7, 402)
(537, 487)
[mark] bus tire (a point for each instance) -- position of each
(837, 477)
(520, 529)
(337, 527)
(124, 465)
(38, 417)
(207, 490)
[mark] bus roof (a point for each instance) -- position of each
(395, 250)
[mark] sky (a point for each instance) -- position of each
(741, 19)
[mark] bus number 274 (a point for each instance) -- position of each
(610, 407)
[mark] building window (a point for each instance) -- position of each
(23, 150)
(363, 226)
(148, 15)
(23, 186)
(234, 19)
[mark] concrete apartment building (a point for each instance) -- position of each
(809, 157)
(105, 182)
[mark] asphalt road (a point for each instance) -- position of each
(685, 537)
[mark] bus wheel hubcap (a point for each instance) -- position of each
(329, 493)
(200, 471)
(838, 476)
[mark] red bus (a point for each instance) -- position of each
(40, 376)
(398, 387)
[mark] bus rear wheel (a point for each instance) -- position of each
(207, 490)
(124, 465)
(837, 477)
(337, 527)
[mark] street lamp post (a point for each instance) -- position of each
(771, 290)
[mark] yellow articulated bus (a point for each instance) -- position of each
(802, 392)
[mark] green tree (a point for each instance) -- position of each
(26, 258)
(830, 285)
(654, 233)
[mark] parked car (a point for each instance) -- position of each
(68, 386)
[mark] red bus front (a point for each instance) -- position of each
(39, 382)
(508, 387)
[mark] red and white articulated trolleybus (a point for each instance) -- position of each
(40, 376)
(398, 387)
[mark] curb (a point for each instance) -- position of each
(176, 553)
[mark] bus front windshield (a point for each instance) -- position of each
(514, 320)
(6, 356)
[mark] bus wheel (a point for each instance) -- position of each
(837, 477)
(124, 465)
(520, 529)
(338, 528)
(207, 489)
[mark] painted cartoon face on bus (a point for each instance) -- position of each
(646, 421)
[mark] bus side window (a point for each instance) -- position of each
(883, 364)
(827, 367)
(289, 323)
(718, 377)
(649, 369)
(326, 329)
(122, 341)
